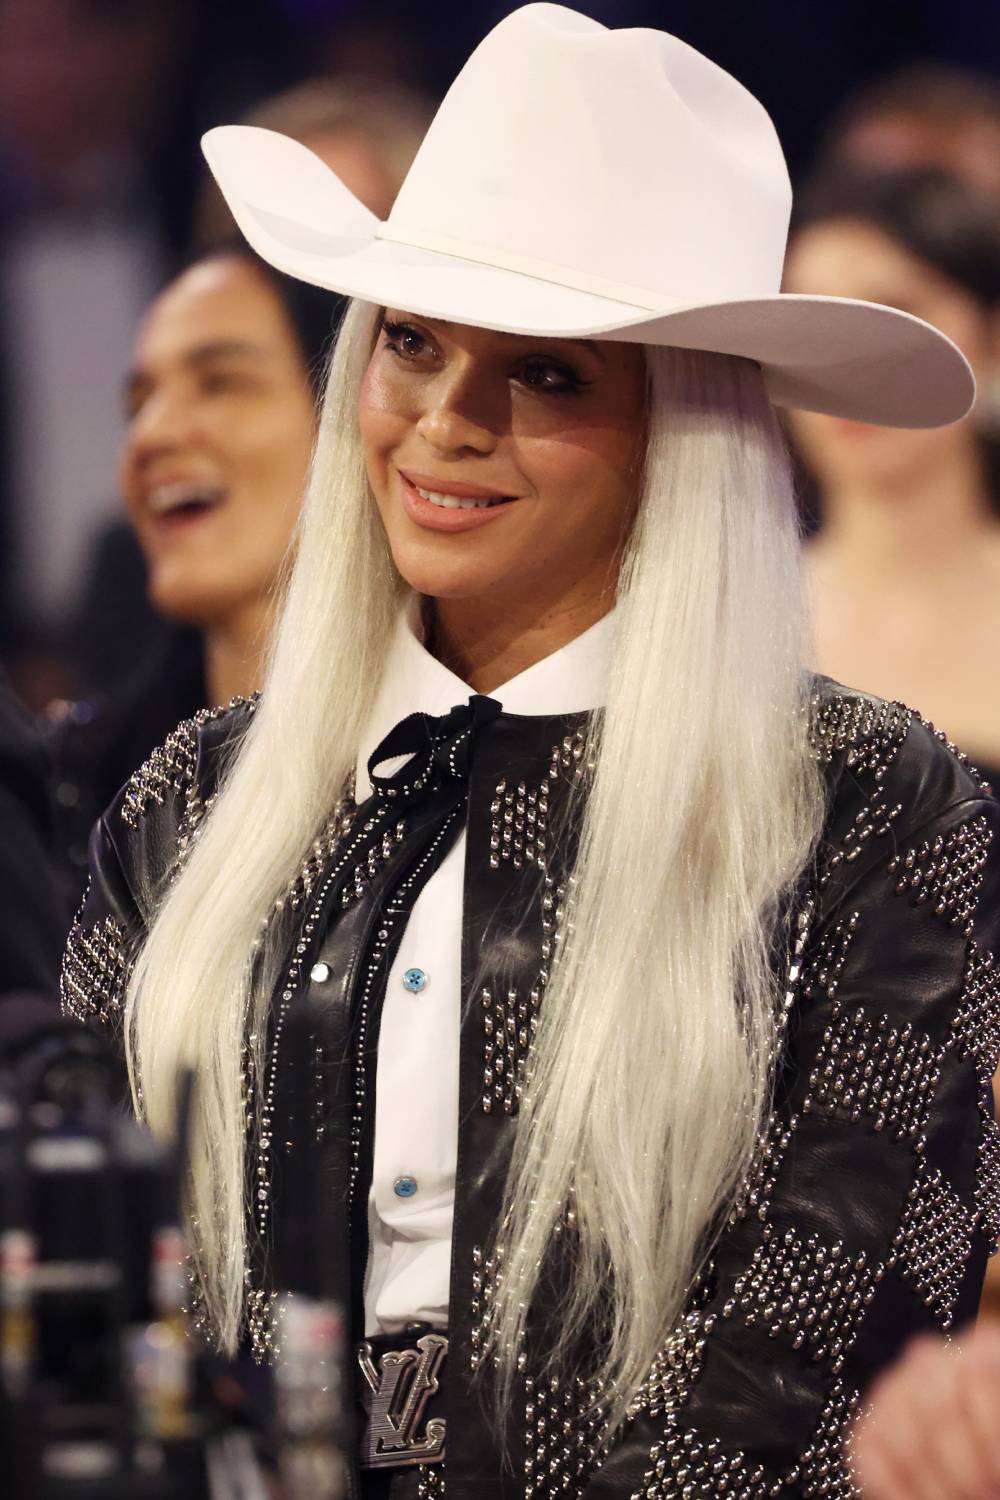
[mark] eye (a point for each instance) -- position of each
(403, 339)
(550, 375)
(136, 390)
(220, 382)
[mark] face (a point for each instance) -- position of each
(896, 140)
(221, 422)
(848, 258)
(502, 465)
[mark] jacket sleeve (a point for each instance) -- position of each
(136, 848)
(106, 934)
(875, 1199)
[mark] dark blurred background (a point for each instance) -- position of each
(102, 103)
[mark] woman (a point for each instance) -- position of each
(904, 572)
(220, 404)
(618, 1027)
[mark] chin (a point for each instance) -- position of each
(448, 578)
(183, 603)
(874, 456)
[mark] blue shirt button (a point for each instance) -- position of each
(414, 980)
(405, 1187)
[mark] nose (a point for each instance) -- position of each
(463, 412)
(164, 423)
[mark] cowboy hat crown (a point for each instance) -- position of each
(631, 122)
(588, 182)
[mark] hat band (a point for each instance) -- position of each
(641, 299)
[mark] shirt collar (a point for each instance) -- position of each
(570, 680)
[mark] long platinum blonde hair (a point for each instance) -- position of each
(650, 1075)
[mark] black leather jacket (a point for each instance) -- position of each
(875, 1197)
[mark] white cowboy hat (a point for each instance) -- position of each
(579, 181)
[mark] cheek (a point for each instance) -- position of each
(829, 444)
(127, 483)
(587, 465)
(240, 437)
(840, 450)
(266, 453)
(135, 510)
(966, 329)
(809, 432)
(557, 470)
(385, 417)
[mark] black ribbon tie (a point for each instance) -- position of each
(436, 747)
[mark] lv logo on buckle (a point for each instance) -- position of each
(395, 1397)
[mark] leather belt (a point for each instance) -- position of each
(402, 1398)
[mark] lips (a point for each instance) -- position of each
(455, 502)
(183, 499)
(438, 505)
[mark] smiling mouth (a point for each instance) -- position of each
(183, 499)
(457, 502)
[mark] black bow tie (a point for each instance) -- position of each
(437, 748)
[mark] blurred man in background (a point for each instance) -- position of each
(923, 115)
(367, 133)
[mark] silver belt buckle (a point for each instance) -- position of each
(395, 1396)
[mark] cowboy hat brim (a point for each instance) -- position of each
(825, 354)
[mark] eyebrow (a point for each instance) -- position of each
(201, 354)
(591, 345)
(222, 349)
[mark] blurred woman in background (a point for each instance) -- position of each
(904, 569)
(221, 413)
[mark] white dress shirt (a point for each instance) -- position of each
(416, 1085)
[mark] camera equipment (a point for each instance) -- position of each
(104, 1394)
(96, 1369)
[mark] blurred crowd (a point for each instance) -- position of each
(158, 384)
(113, 251)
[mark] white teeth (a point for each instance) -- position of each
(452, 502)
(164, 498)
